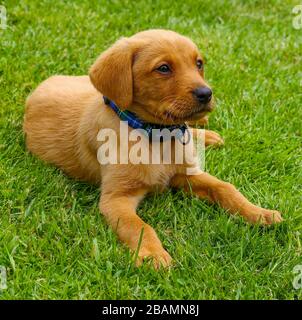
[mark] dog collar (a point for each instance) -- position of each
(136, 123)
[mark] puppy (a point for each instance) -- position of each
(158, 76)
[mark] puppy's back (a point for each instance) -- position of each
(52, 120)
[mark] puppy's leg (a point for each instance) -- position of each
(225, 194)
(211, 137)
(120, 212)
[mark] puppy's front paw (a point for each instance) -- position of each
(213, 138)
(157, 256)
(264, 216)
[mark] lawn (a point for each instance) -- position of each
(54, 243)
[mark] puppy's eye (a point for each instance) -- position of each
(199, 64)
(164, 69)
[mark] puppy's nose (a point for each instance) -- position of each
(203, 94)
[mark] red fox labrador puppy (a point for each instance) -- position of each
(154, 79)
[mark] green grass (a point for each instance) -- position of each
(53, 240)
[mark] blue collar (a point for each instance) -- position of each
(135, 123)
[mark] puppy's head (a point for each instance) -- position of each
(157, 74)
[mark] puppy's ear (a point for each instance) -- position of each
(111, 74)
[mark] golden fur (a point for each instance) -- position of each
(65, 113)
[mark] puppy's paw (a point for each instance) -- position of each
(213, 138)
(265, 217)
(159, 257)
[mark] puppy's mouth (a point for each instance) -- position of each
(180, 117)
(174, 114)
